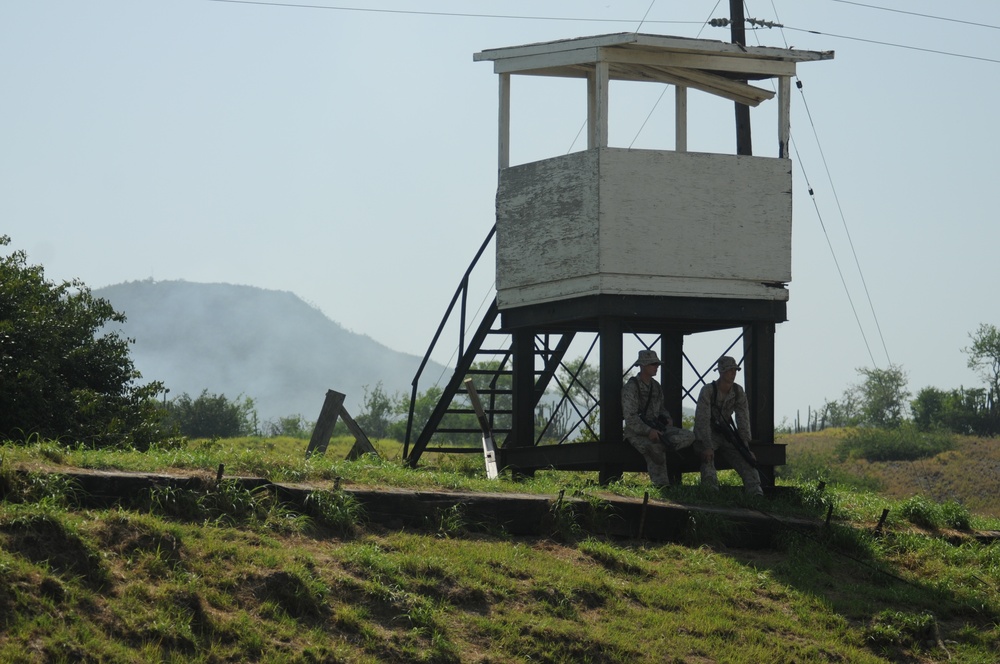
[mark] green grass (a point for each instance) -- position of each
(225, 574)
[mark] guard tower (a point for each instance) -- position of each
(619, 241)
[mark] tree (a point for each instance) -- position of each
(582, 381)
(964, 411)
(212, 415)
(984, 357)
(62, 376)
(292, 426)
(883, 397)
(378, 414)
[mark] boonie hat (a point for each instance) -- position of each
(647, 357)
(726, 363)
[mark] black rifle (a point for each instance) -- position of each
(660, 423)
(725, 426)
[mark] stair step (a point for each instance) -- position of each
(455, 450)
(479, 431)
(469, 411)
(486, 390)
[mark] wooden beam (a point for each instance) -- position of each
(680, 119)
(523, 389)
(598, 94)
(611, 364)
(326, 422)
(503, 133)
(737, 91)
(557, 60)
(784, 116)
(712, 62)
(361, 443)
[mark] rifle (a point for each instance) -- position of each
(725, 426)
(660, 423)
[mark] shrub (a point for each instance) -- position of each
(922, 512)
(64, 375)
(905, 443)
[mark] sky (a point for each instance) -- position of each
(347, 152)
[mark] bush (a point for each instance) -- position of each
(63, 376)
(926, 513)
(905, 443)
(212, 416)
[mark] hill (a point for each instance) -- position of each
(217, 571)
(968, 473)
(268, 345)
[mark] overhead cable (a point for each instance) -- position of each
(843, 219)
(903, 11)
(819, 215)
(296, 5)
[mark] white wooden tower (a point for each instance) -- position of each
(665, 242)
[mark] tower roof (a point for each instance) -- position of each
(715, 67)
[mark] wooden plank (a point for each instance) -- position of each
(784, 116)
(743, 93)
(503, 128)
(326, 422)
(712, 62)
(361, 443)
(680, 118)
(560, 60)
(489, 446)
(646, 42)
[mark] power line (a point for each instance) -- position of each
(882, 43)
(843, 281)
(903, 11)
(294, 5)
(843, 219)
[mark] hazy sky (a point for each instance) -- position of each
(350, 157)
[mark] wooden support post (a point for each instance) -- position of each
(323, 430)
(361, 443)
(642, 515)
(680, 119)
(672, 373)
(610, 332)
(489, 447)
(522, 432)
(784, 115)
(881, 521)
(503, 138)
(333, 407)
(744, 144)
(598, 86)
(758, 353)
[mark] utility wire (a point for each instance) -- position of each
(840, 272)
(666, 87)
(829, 177)
(295, 5)
(904, 46)
(843, 218)
(903, 11)
(648, 9)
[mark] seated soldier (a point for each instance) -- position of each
(648, 425)
(717, 403)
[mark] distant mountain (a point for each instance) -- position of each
(268, 345)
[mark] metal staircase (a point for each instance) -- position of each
(488, 359)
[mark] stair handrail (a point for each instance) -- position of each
(462, 290)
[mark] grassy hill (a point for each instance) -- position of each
(968, 472)
(226, 575)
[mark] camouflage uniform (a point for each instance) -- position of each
(734, 402)
(638, 396)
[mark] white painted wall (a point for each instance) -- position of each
(643, 222)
